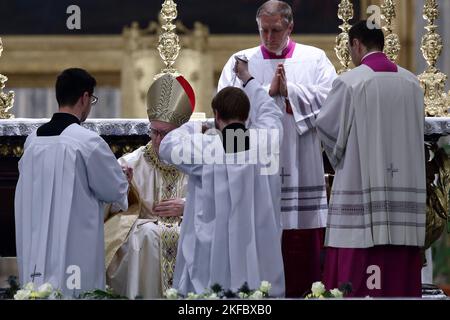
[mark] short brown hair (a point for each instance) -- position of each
(272, 8)
(372, 38)
(71, 84)
(231, 103)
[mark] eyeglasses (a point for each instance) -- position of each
(94, 100)
(156, 132)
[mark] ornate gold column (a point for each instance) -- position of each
(432, 80)
(169, 43)
(392, 40)
(6, 99)
(141, 62)
(436, 105)
(345, 13)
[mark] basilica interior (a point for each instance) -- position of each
(117, 42)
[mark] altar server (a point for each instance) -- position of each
(67, 173)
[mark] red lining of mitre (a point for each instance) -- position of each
(188, 89)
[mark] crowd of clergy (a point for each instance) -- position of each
(160, 218)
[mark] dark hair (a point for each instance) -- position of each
(231, 103)
(272, 8)
(371, 38)
(71, 84)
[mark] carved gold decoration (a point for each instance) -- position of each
(173, 106)
(432, 80)
(345, 13)
(392, 47)
(168, 101)
(13, 150)
(6, 99)
(169, 43)
(168, 226)
(437, 193)
(120, 150)
(12, 146)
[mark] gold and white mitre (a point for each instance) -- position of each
(170, 99)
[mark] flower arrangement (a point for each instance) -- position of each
(97, 294)
(46, 291)
(217, 292)
(30, 292)
(318, 291)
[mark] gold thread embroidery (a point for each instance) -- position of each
(168, 226)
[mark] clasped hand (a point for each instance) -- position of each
(169, 208)
(279, 83)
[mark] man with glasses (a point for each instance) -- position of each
(141, 243)
(67, 173)
(94, 100)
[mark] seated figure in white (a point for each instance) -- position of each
(141, 243)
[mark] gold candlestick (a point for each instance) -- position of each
(392, 40)
(169, 43)
(432, 80)
(345, 13)
(6, 99)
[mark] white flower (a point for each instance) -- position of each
(192, 295)
(43, 291)
(265, 287)
(212, 296)
(242, 295)
(318, 289)
(171, 294)
(337, 293)
(22, 295)
(46, 288)
(257, 295)
(29, 286)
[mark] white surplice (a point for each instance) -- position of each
(59, 208)
(231, 232)
(375, 143)
(310, 75)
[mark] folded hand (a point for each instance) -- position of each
(169, 208)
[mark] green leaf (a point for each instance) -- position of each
(216, 288)
(244, 289)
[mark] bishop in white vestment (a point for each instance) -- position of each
(141, 243)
